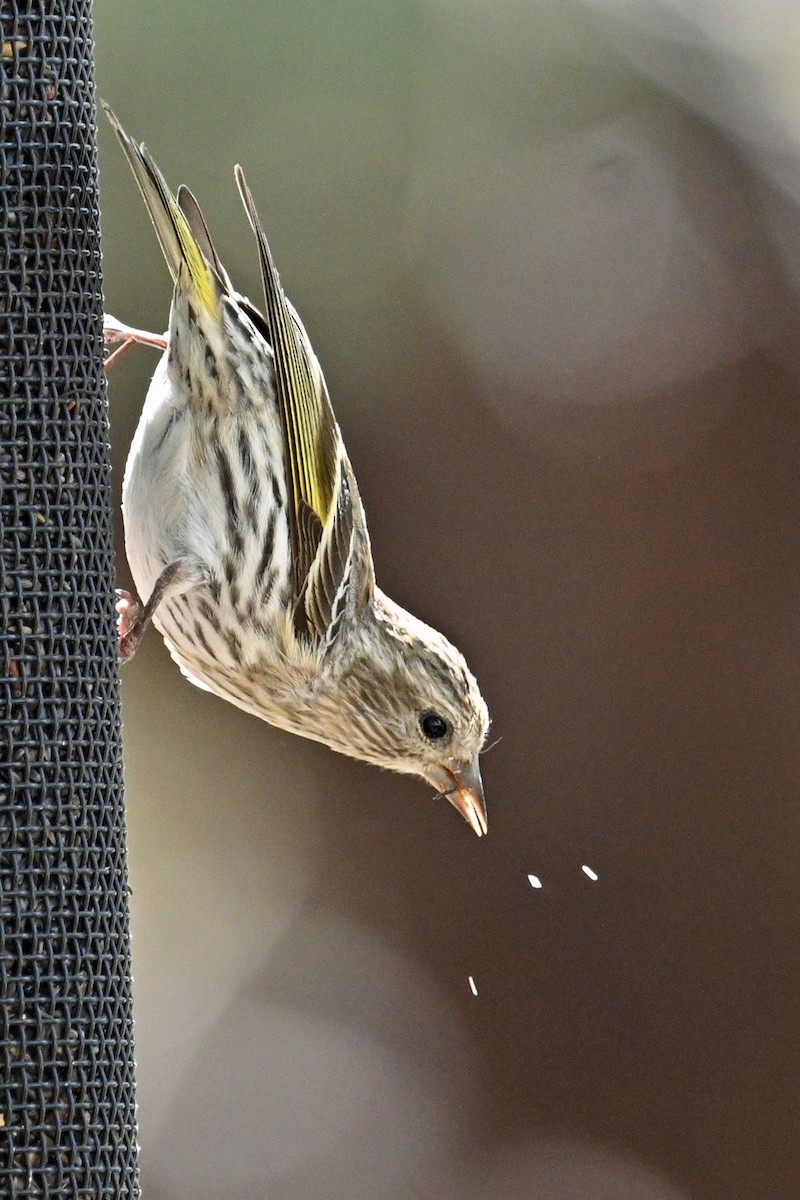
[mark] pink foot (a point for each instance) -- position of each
(129, 624)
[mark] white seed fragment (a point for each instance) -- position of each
(472, 987)
(534, 881)
(588, 871)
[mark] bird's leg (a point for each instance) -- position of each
(133, 617)
(117, 331)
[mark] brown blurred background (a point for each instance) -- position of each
(548, 254)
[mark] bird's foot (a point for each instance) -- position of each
(117, 331)
(133, 617)
(131, 624)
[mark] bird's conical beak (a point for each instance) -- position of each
(466, 794)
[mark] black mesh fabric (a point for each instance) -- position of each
(66, 1060)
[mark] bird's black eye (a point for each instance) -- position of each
(433, 726)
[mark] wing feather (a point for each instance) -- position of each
(332, 560)
(197, 223)
(180, 247)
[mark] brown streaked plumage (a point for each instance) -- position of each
(246, 535)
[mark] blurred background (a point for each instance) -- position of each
(549, 256)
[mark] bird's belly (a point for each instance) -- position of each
(210, 493)
(205, 633)
(244, 662)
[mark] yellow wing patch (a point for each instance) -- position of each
(178, 243)
(312, 436)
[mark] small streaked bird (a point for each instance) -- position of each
(246, 536)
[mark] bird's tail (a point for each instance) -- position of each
(200, 273)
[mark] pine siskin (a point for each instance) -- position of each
(246, 536)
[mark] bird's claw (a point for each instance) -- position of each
(129, 624)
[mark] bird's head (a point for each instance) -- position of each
(407, 701)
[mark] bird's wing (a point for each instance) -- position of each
(332, 560)
(197, 223)
(182, 250)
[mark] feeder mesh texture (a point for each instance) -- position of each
(67, 1121)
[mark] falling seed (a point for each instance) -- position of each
(588, 871)
(473, 989)
(534, 881)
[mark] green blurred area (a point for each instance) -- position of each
(313, 101)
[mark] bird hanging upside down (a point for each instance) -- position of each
(246, 536)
